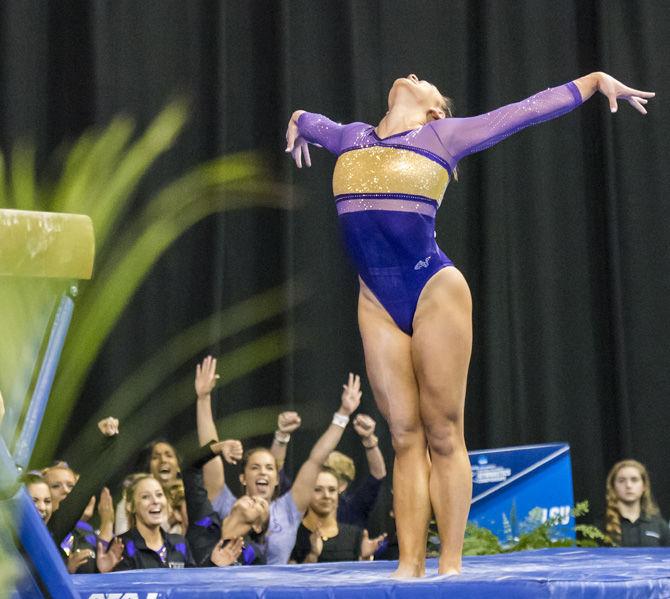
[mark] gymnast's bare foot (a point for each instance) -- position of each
(447, 567)
(409, 571)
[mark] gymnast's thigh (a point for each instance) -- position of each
(442, 345)
(388, 362)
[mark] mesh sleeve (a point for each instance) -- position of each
(463, 136)
(320, 130)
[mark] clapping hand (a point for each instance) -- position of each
(226, 552)
(370, 546)
(78, 558)
(106, 561)
(316, 543)
(106, 506)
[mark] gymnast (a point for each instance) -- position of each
(414, 306)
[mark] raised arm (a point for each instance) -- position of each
(287, 423)
(303, 487)
(205, 381)
(463, 136)
(364, 426)
(64, 519)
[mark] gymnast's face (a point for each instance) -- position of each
(412, 93)
(628, 485)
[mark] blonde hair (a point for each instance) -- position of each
(342, 466)
(447, 105)
(130, 495)
(648, 506)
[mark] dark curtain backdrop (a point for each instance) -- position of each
(562, 231)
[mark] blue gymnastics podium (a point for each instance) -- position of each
(509, 483)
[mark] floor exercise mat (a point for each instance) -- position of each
(567, 573)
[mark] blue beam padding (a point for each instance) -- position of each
(38, 403)
(40, 548)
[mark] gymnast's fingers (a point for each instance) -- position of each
(637, 104)
(297, 156)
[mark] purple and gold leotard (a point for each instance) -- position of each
(387, 191)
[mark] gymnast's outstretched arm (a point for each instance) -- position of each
(463, 136)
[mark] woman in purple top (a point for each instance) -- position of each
(260, 476)
(414, 308)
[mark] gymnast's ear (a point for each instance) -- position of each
(435, 114)
(243, 479)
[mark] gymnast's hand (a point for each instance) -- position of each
(296, 145)
(613, 90)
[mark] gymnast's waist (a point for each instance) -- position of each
(391, 202)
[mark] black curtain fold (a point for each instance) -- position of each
(562, 231)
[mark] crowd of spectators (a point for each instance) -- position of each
(173, 513)
(176, 513)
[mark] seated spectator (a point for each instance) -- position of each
(160, 459)
(146, 544)
(260, 474)
(632, 517)
(39, 492)
(355, 505)
(321, 538)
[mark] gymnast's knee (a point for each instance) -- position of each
(407, 437)
(445, 438)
